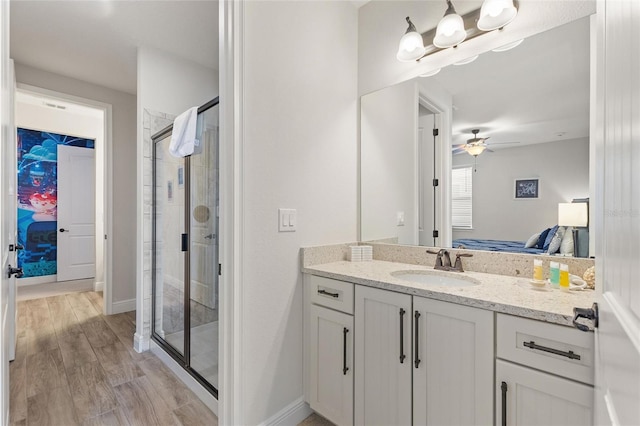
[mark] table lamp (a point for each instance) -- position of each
(573, 214)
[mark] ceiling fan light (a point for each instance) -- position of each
(450, 31)
(411, 47)
(474, 150)
(496, 14)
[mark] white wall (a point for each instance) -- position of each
(382, 23)
(300, 151)
(124, 166)
(90, 126)
(389, 163)
(563, 172)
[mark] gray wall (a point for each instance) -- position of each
(563, 172)
(124, 167)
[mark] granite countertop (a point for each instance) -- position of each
(499, 293)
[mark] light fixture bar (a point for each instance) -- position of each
(470, 21)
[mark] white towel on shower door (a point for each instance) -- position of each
(183, 136)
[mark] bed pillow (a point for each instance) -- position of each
(550, 235)
(543, 237)
(566, 246)
(554, 245)
(532, 241)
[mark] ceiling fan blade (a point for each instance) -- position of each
(504, 143)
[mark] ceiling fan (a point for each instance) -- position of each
(476, 145)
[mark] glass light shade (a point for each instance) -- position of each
(572, 214)
(474, 150)
(496, 14)
(411, 47)
(509, 46)
(466, 61)
(431, 73)
(450, 31)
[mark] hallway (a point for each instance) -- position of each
(75, 366)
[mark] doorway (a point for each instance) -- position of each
(186, 250)
(84, 226)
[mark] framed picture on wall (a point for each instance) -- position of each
(526, 188)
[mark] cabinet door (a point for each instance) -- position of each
(383, 357)
(453, 364)
(331, 364)
(530, 397)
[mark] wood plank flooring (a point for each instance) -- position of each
(75, 366)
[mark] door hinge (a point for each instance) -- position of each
(435, 233)
(436, 182)
(586, 313)
(435, 132)
(185, 242)
(219, 268)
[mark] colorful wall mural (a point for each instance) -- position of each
(37, 198)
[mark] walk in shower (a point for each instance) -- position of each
(185, 250)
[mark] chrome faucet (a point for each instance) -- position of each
(443, 260)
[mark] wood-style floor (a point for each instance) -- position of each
(75, 366)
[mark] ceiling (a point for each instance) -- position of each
(537, 92)
(97, 41)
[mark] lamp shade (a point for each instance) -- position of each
(496, 14)
(450, 31)
(474, 150)
(411, 46)
(572, 214)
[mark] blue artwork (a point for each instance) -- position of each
(37, 198)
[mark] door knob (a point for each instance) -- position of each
(14, 271)
(64, 230)
(587, 313)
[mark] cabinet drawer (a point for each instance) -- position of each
(333, 294)
(553, 348)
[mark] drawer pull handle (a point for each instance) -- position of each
(503, 388)
(328, 293)
(345, 330)
(570, 354)
(402, 355)
(417, 337)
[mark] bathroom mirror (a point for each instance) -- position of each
(531, 102)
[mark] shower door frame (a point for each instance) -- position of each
(183, 359)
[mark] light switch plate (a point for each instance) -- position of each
(287, 220)
(400, 219)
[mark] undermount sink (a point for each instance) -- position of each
(434, 279)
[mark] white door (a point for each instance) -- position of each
(453, 380)
(76, 213)
(531, 397)
(331, 364)
(383, 357)
(618, 247)
(7, 212)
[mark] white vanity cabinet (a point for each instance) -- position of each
(329, 348)
(557, 390)
(383, 357)
(423, 359)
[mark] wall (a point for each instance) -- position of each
(167, 86)
(124, 167)
(382, 23)
(300, 116)
(563, 172)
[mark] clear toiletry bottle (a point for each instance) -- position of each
(537, 269)
(564, 277)
(554, 274)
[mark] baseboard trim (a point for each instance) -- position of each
(46, 279)
(98, 286)
(123, 306)
(186, 378)
(140, 343)
(292, 414)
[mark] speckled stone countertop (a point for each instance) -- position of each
(499, 293)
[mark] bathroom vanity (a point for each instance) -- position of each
(383, 348)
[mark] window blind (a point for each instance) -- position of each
(461, 197)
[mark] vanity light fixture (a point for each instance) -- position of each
(454, 29)
(411, 46)
(496, 14)
(508, 46)
(466, 61)
(431, 73)
(450, 31)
